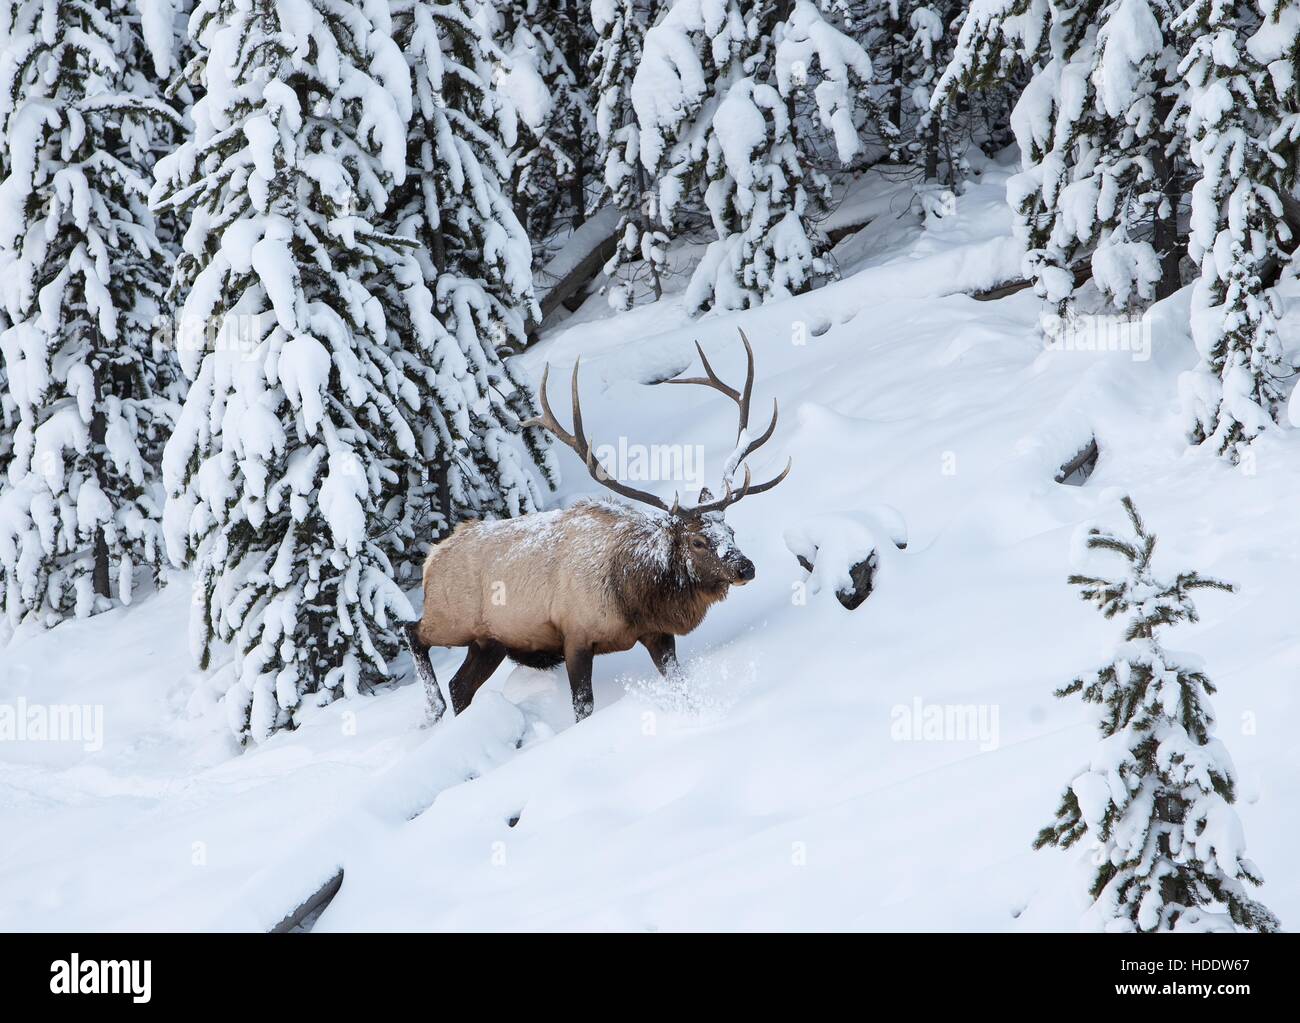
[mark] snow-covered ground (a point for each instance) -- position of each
(774, 786)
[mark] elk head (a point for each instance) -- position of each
(701, 538)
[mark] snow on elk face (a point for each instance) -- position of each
(713, 560)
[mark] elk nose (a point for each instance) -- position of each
(745, 571)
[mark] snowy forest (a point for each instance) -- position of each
(298, 296)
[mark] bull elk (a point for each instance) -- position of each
(595, 578)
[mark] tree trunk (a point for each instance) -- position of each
(98, 429)
(646, 226)
(574, 58)
(932, 149)
(442, 495)
(1165, 236)
(439, 251)
(896, 87)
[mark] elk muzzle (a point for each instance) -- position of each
(743, 570)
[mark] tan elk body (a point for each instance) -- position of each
(595, 578)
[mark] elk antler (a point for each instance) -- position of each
(744, 445)
(577, 442)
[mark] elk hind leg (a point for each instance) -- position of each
(480, 663)
(434, 704)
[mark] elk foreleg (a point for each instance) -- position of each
(480, 663)
(577, 661)
(662, 647)
(434, 704)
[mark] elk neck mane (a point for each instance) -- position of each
(648, 577)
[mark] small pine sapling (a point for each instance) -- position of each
(1157, 795)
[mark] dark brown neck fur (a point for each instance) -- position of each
(654, 598)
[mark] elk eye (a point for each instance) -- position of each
(698, 544)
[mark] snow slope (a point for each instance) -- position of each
(771, 788)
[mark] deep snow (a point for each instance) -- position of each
(772, 787)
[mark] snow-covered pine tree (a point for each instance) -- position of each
(546, 44)
(913, 41)
(82, 274)
(720, 97)
(8, 410)
(1238, 95)
(8, 421)
(283, 454)
(642, 248)
(162, 30)
(177, 71)
(162, 47)
(888, 40)
(1096, 124)
(1156, 798)
(462, 291)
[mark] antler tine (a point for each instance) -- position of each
(744, 445)
(547, 421)
(763, 487)
(577, 442)
(762, 438)
(580, 441)
(711, 379)
(729, 497)
(748, 390)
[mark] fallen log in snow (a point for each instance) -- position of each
(1082, 273)
(839, 232)
(289, 892)
(841, 551)
(1076, 470)
(314, 903)
(580, 259)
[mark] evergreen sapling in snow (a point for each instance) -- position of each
(1156, 798)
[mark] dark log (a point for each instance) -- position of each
(861, 574)
(841, 231)
(582, 257)
(1082, 272)
(314, 903)
(1084, 462)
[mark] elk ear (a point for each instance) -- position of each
(705, 495)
